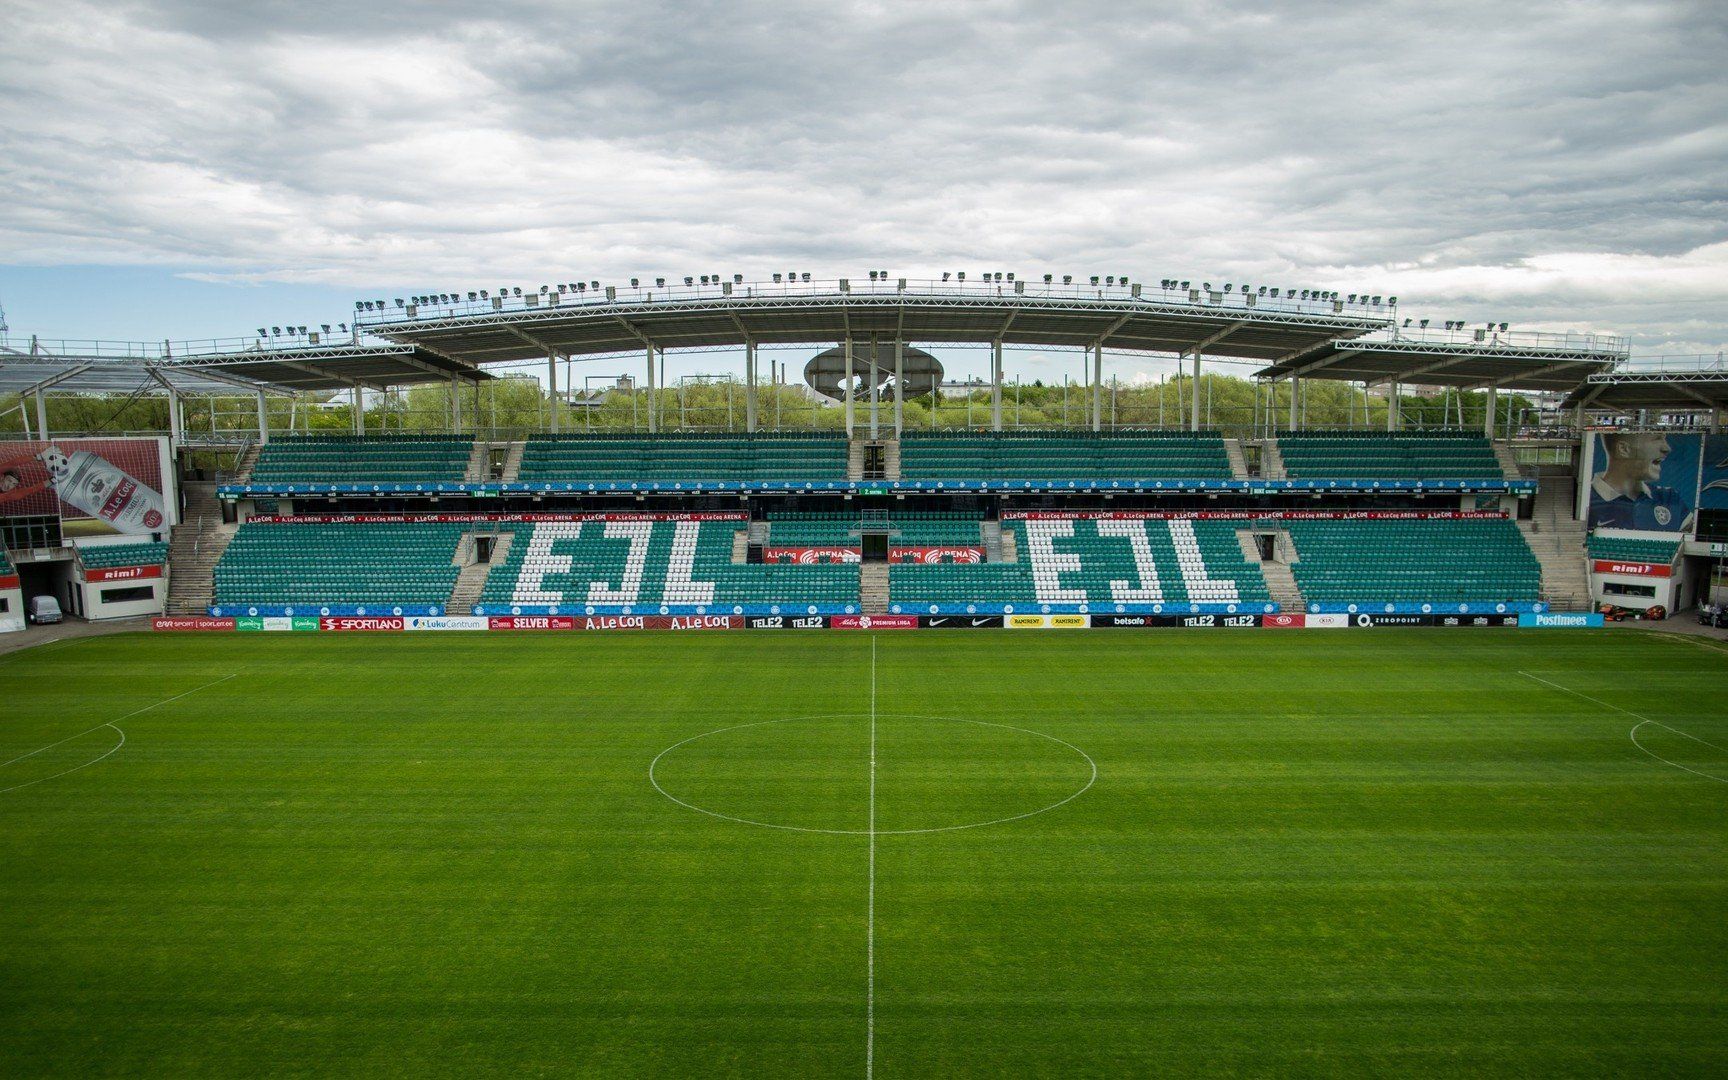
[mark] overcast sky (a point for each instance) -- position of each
(188, 169)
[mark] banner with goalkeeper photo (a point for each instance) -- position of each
(96, 487)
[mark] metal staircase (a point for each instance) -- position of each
(243, 467)
(479, 463)
(194, 548)
(513, 462)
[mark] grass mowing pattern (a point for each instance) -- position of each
(1310, 853)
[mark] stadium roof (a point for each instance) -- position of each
(1704, 386)
(1122, 318)
(1520, 360)
(95, 367)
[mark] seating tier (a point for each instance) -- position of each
(322, 563)
(1064, 455)
(1628, 549)
(618, 458)
(109, 555)
(1353, 455)
(355, 459)
(1437, 560)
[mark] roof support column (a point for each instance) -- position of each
(899, 393)
(1295, 392)
(456, 402)
(1098, 387)
(359, 410)
(996, 385)
(653, 420)
(263, 420)
(1195, 425)
(42, 416)
(848, 387)
(552, 389)
(749, 385)
(1395, 407)
(176, 425)
(1488, 414)
(875, 388)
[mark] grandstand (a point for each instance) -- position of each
(1405, 456)
(346, 459)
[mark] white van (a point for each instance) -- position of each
(44, 609)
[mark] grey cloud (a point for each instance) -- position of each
(1484, 160)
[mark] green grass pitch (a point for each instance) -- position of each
(1390, 852)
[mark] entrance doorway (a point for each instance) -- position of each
(874, 545)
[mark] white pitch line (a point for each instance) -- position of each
(870, 922)
(114, 723)
(1633, 734)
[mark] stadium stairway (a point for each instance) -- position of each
(1280, 582)
(513, 462)
(1238, 463)
(855, 460)
(194, 547)
(992, 533)
(1010, 545)
(473, 577)
(1271, 461)
(741, 544)
(758, 532)
(249, 458)
(873, 587)
(1558, 542)
(1508, 460)
(891, 459)
(479, 463)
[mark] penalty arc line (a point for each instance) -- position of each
(114, 723)
(1642, 720)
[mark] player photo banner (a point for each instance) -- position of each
(96, 487)
(1650, 481)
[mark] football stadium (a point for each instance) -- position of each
(1343, 703)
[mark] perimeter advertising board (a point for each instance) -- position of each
(96, 487)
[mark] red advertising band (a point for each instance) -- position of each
(363, 623)
(122, 573)
(10, 581)
(531, 622)
(385, 519)
(1247, 515)
(1633, 569)
(962, 554)
(808, 555)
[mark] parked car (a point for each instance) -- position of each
(44, 609)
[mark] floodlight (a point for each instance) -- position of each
(1423, 324)
(302, 329)
(274, 330)
(593, 284)
(737, 279)
(1352, 299)
(1067, 279)
(689, 281)
(581, 286)
(635, 283)
(1502, 327)
(960, 275)
(1094, 279)
(1187, 284)
(806, 277)
(1406, 322)
(999, 275)
(262, 331)
(1111, 280)
(380, 304)
(776, 279)
(324, 327)
(659, 283)
(1263, 291)
(343, 327)
(1274, 292)
(872, 275)
(518, 290)
(1393, 299)
(483, 295)
(945, 275)
(1047, 278)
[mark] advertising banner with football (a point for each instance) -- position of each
(96, 487)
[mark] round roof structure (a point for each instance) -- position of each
(920, 372)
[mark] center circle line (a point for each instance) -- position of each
(1091, 779)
